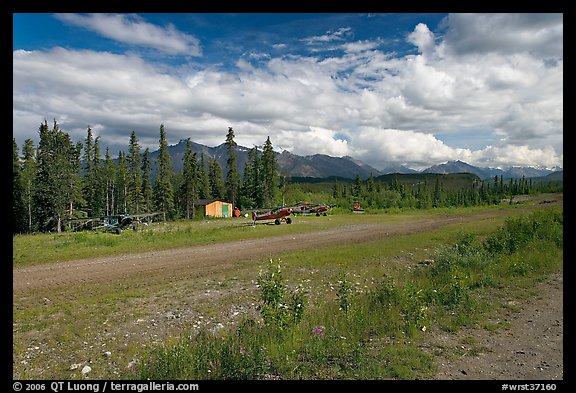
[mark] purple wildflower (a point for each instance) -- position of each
(318, 331)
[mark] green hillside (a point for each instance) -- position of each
(450, 182)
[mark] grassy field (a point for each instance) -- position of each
(118, 327)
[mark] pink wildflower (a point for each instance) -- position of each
(318, 331)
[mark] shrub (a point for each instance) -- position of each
(274, 308)
(386, 293)
(414, 309)
(517, 232)
(344, 293)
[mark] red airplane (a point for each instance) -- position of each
(278, 215)
(321, 209)
(308, 208)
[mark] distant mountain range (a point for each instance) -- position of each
(323, 166)
(485, 173)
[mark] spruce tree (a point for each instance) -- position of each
(92, 181)
(357, 189)
(28, 177)
(163, 192)
(269, 173)
(18, 210)
(109, 174)
(135, 176)
(204, 181)
(189, 187)
(370, 185)
(438, 195)
(147, 204)
(99, 202)
(252, 185)
(232, 176)
(121, 186)
(336, 190)
(89, 180)
(75, 195)
(217, 188)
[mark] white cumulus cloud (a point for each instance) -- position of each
(134, 30)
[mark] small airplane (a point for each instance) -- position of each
(309, 208)
(278, 214)
(113, 223)
(117, 223)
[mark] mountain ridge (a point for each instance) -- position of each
(324, 166)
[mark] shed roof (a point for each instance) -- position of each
(204, 202)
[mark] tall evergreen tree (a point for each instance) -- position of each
(109, 174)
(217, 188)
(252, 185)
(89, 180)
(147, 204)
(189, 187)
(28, 177)
(163, 192)
(121, 186)
(135, 176)
(438, 196)
(395, 184)
(232, 175)
(357, 189)
(92, 181)
(370, 194)
(269, 173)
(204, 181)
(99, 202)
(179, 210)
(75, 195)
(18, 209)
(336, 192)
(370, 185)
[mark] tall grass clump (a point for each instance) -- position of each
(206, 355)
(279, 310)
(546, 225)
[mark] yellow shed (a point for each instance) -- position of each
(215, 208)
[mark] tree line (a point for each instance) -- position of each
(423, 195)
(59, 180)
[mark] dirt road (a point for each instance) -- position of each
(212, 256)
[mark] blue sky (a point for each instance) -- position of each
(388, 89)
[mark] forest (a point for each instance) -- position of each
(59, 180)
